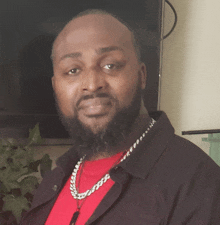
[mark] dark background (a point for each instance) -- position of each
(27, 30)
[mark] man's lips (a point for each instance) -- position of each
(95, 106)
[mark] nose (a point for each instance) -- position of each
(93, 81)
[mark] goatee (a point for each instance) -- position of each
(105, 142)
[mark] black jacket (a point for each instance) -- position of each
(166, 180)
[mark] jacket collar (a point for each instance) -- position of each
(151, 148)
(143, 158)
(67, 161)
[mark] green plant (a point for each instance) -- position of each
(18, 176)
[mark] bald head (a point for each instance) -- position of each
(102, 21)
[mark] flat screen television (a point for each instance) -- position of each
(27, 31)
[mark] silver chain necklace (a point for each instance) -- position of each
(85, 194)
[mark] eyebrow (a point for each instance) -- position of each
(71, 55)
(99, 52)
(109, 49)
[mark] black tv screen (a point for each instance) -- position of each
(27, 31)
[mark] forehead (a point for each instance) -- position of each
(92, 31)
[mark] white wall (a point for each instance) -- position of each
(190, 86)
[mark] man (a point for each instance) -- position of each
(128, 167)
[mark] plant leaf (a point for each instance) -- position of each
(45, 165)
(34, 135)
(18, 160)
(16, 205)
(15, 175)
(28, 184)
(29, 154)
(9, 177)
(33, 166)
(3, 160)
(9, 142)
(3, 189)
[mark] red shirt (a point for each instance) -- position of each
(66, 205)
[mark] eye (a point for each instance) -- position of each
(73, 71)
(114, 66)
(109, 66)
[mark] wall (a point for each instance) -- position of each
(190, 84)
(54, 151)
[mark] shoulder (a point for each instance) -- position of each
(184, 166)
(191, 180)
(187, 154)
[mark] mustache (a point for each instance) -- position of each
(91, 96)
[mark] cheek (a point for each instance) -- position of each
(125, 90)
(65, 94)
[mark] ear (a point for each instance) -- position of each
(143, 75)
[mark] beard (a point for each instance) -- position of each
(90, 144)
